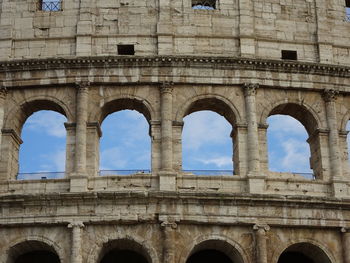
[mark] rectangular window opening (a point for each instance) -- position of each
(204, 4)
(289, 55)
(126, 50)
(50, 5)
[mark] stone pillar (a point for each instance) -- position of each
(94, 134)
(167, 177)
(239, 143)
(165, 29)
(246, 28)
(3, 93)
(346, 244)
(76, 253)
(253, 139)
(155, 134)
(169, 241)
(256, 182)
(261, 244)
(79, 177)
(11, 142)
(330, 97)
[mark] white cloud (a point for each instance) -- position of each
(285, 124)
(296, 156)
(219, 162)
(49, 122)
(113, 159)
(203, 128)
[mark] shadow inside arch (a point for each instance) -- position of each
(303, 253)
(124, 250)
(214, 250)
(32, 251)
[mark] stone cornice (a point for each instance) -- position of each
(175, 61)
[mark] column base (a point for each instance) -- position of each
(256, 183)
(167, 181)
(78, 183)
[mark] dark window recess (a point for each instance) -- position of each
(204, 4)
(50, 5)
(289, 54)
(347, 10)
(126, 50)
(347, 3)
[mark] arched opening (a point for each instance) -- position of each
(293, 142)
(125, 145)
(207, 145)
(33, 251)
(303, 253)
(124, 251)
(209, 256)
(42, 154)
(212, 251)
(288, 149)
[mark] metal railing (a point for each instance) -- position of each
(209, 172)
(124, 172)
(204, 4)
(40, 175)
(50, 6)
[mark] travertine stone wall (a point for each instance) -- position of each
(316, 30)
(226, 60)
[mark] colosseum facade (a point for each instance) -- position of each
(245, 60)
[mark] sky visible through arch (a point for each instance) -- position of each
(126, 145)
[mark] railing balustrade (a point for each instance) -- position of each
(40, 175)
(124, 172)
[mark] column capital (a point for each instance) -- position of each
(82, 86)
(166, 87)
(250, 88)
(168, 225)
(261, 228)
(3, 91)
(330, 95)
(76, 224)
(344, 230)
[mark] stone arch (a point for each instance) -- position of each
(125, 102)
(23, 245)
(308, 246)
(141, 245)
(300, 111)
(213, 102)
(24, 109)
(221, 243)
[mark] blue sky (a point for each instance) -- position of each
(125, 143)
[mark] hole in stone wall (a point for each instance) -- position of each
(126, 50)
(289, 54)
(204, 4)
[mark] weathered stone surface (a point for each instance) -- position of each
(226, 60)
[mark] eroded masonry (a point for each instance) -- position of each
(244, 59)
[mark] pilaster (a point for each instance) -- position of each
(346, 244)
(261, 244)
(169, 241)
(3, 94)
(167, 177)
(256, 181)
(246, 28)
(330, 97)
(76, 252)
(79, 177)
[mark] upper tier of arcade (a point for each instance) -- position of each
(303, 30)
